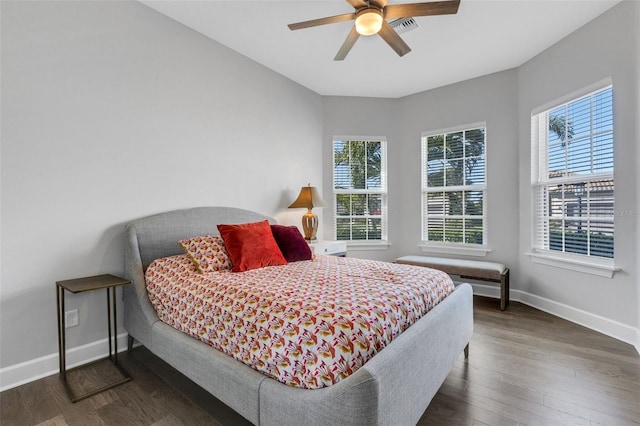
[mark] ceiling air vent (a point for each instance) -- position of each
(403, 25)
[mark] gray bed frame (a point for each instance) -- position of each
(393, 388)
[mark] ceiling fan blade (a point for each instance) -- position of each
(347, 45)
(357, 4)
(322, 21)
(392, 38)
(421, 9)
(379, 3)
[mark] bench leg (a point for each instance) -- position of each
(504, 290)
(466, 352)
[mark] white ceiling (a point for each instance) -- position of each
(485, 36)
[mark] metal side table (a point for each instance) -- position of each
(81, 285)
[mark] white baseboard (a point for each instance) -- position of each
(486, 290)
(28, 371)
(600, 324)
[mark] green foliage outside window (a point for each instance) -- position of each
(359, 191)
(454, 193)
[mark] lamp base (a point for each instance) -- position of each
(310, 225)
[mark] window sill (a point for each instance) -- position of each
(601, 268)
(459, 249)
(367, 245)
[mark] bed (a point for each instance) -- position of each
(393, 387)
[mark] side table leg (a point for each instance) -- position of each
(62, 364)
(115, 325)
(109, 321)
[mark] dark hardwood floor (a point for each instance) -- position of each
(525, 367)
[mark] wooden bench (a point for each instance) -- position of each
(472, 269)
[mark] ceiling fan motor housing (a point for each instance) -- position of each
(369, 21)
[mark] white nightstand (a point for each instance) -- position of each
(333, 248)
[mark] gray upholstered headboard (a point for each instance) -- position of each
(157, 236)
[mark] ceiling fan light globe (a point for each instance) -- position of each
(369, 21)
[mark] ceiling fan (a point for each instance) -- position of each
(371, 18)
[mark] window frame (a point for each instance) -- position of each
(462, 248)
(363, 244)
(541, 182)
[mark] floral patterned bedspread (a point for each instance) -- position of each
(307, 324)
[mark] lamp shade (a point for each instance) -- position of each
(308, 199)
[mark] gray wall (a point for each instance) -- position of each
(606, 47)
(110, 112)
(490, 98)
(637, 189)
(353, 116)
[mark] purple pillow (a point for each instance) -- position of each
(291, 243)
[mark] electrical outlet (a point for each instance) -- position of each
(71, 318)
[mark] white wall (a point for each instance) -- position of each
(111, 112)
(606, 47)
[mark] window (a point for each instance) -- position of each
(454, 186)
(360, 189)
(572, 176)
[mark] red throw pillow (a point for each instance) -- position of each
(291, 242)
(251, 246)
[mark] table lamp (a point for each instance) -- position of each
(308, 199)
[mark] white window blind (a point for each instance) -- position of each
(454, 186)
(360, 189)
(572, 175)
